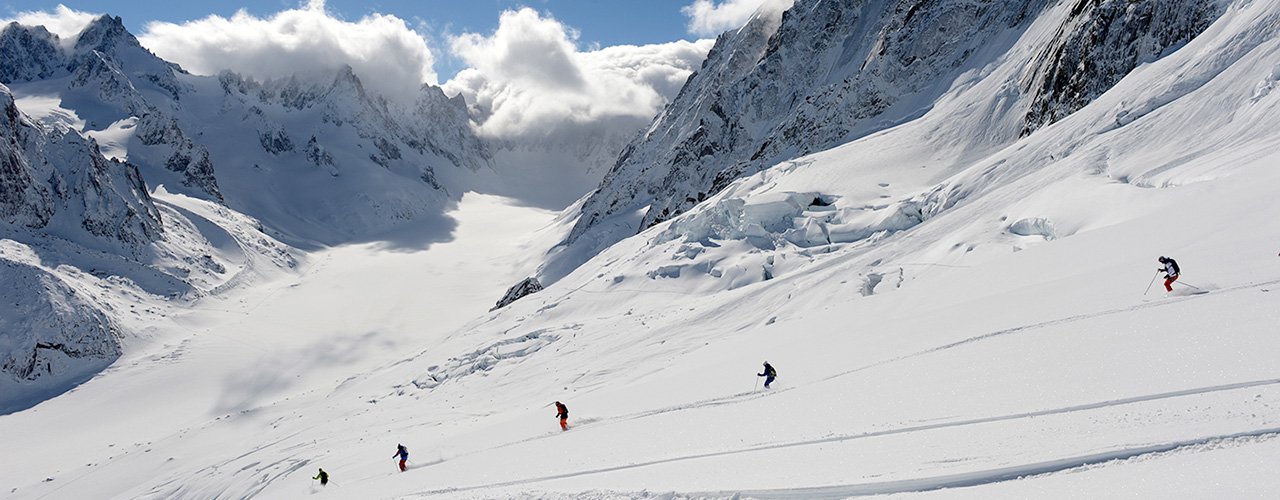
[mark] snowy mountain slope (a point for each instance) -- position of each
(554, 172)
(229, 138)
(313, 159)
(830, 72)
(976, 327)
(52, 335)
(246, 347)
(56, 185)
(86, 242)
(83, 241)
(975, 364)
(76, 309)
(330, 162)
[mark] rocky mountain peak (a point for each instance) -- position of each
(28, 53)
(104, 34)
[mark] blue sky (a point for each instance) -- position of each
(603, 22)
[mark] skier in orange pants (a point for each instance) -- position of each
(562, 412)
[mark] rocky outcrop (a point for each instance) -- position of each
(1102, 41)
(47, 330)
(522, 289)
(180, 154)
(437, 125)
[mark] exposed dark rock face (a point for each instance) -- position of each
(522, 289)
(185, 157)
(275, 141)
(319, 157)
(1100, 43)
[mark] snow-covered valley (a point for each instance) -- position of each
(957, 304)
(1049, 364)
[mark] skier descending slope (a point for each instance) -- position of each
(562, 412)
(403, 453)
(1171, 272)
(323, 477)
(769, 374)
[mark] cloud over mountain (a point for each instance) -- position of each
(382, 49)
(62, 21)
(529, 79)
(710, 18)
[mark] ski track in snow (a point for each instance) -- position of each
(1053, 322)
(282, 468)
(956, 480)
(989, 476)
(749, 396)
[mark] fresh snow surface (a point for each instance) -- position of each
(978, 331)
(258, 349)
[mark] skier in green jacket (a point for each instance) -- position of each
(323, 477)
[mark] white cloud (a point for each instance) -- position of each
(710, 18)
(63, 21)
(383, 50)
(529, 80)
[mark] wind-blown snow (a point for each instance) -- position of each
(708, 17)
(63, 21)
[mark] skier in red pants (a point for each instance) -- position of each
(562, 412)
(403, 453)
(1171, 272)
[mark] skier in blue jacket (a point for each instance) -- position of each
(769, 374)
(403, 453)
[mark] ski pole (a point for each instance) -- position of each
(1187, 284)
(1153, 281)
(757, 385)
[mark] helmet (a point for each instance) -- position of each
(1162, 258)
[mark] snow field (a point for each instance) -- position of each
(998, 345)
